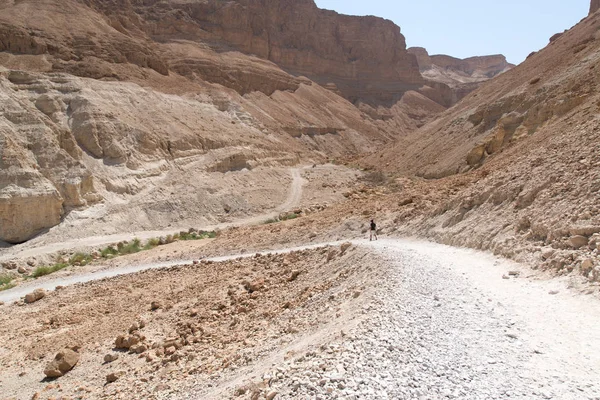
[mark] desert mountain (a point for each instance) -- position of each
(104, 99)
(525, 148)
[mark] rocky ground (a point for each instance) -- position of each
(384, 319)
(159, 329)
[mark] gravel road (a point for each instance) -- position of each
(445, 324)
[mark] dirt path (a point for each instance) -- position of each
(445, 324)
(27, 250)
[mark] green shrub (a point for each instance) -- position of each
(271, 221)
(47, 270)
(109, 252)
(6, 282)
(289, 216)
(131, 247)
(5, 279)
(152, 243)
(80, 259)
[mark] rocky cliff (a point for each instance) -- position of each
(456, 71)
(364, 57)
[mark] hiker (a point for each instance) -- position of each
(373, 230)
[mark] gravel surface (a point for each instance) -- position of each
(445, 324)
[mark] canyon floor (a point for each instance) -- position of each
(320, 312)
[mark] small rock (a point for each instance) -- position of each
(514, 273)
(155, 305)
(255, 285)
(505, 277)
(114, 376)
(553, 292)
(578, 241)
(271, 395)
(63, 362)
(110, 358)
(22, 270)
(344, 247)
(295, 274)
(34, 296)
(312, 235)
(331, 255)
(587, 266)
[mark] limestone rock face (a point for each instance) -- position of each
(594, 6)
(365, 57)
(455, 71)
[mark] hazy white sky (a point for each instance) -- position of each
(465, 28)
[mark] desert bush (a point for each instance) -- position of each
(6, 282)
(47, 270)
(131, 247)
(152, 243)
(109, 252)
(80, 259)
(289, 216)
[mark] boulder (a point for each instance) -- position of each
(34, 296)
(63, 362)
(578, 241)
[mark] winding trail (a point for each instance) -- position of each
(443, 324)
(27, 250)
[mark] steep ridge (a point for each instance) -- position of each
(528, 144)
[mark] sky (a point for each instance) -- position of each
(466, 28)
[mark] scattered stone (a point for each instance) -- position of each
(155, 305)
(114, 376)
(110, 358)
(578, 241)
(553, 292)
(344, 247)
(22, 270)
(331, 254)
(312, 235)
(255, 285)
(34, 296)
(272, 395)
(505, 277)
(514, 273)
(63, 362)
(126, 342)
(587, 266)
(295, 274)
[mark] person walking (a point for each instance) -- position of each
(373, 230)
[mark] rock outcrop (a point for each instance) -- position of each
(364, 57)
(594, 6)
(455, 71)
